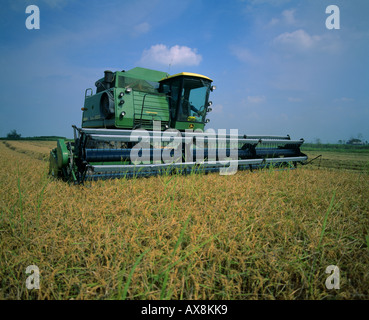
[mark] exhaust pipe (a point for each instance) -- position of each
(108, 78)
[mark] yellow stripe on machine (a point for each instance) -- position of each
(187, 74)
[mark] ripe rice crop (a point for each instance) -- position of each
(254, 235)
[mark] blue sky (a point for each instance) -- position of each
(277, 68)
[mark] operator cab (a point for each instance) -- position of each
(188, 97)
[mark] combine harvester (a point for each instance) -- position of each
(144, 122)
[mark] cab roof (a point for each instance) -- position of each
(189, 74)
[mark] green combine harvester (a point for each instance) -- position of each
(144, 122)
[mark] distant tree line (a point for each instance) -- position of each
(14, 135)
(358, 141)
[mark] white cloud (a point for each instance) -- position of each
(289, 16)
(301, 41)
(141, 28)
(244, 54)
(273, 22)
(297, 39)
(256, 99)
(160, 54)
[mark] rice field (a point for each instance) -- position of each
(258, 235)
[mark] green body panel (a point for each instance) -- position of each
(59, 158)
(144, 74)
(148, 107)
(134, 102)
(127, 107)
(92, 117)
(139, 107)
(62, 153)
